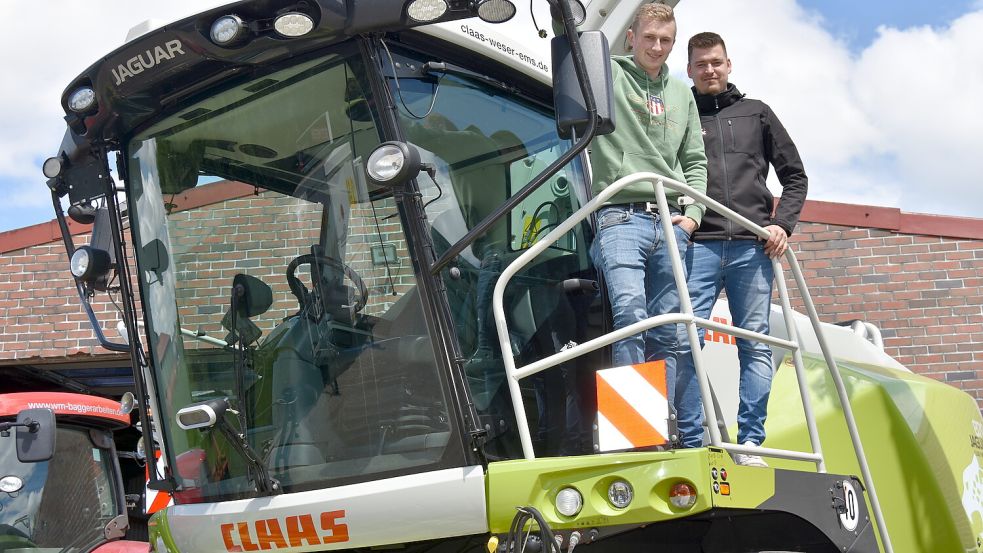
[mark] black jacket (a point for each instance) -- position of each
(742, 137)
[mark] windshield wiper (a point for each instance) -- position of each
(441, 67)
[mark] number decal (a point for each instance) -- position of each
(851, 516)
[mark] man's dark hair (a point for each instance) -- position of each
(704, 40)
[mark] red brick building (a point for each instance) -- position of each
(918, 277)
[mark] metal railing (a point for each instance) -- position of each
(685, 316)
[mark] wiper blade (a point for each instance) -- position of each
(441, 67)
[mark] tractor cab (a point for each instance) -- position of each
(60, 482)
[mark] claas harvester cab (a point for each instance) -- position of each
(349, 245)
(61, 488)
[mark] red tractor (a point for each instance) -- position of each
(61, 487)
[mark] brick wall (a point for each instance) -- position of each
(40, 316)
(924, 292)
(905, 273)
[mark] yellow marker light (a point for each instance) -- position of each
(682, 495)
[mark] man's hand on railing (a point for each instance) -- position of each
(777, 243)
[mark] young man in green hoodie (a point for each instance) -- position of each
(658, 131)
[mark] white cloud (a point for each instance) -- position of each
(896, 124)
(40, 54)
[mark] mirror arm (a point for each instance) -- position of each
(580, 67)
(66, 236)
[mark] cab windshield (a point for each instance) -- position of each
(63, 504)
(275, 278)
(486, 142)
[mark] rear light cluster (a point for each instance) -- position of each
(569, 501)
(682, 495)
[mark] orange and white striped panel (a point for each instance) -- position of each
(155, 500)
(632, 407)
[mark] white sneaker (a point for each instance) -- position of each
(747, 460)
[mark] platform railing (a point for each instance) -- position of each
(514, 374)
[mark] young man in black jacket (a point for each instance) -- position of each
(742, 138)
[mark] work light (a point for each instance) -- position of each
(293, 24)
(495, 11)
(425, 11)
(82, 99)
(227, 30)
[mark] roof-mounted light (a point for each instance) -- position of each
(495, 11)
(577, 9)
(228, 30)
(293, 24)
(425, 11)
(53, 166)
(82, 100)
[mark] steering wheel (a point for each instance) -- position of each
(300, 291)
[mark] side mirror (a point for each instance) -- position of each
(568, 100)
(35, 435)
(255, 296)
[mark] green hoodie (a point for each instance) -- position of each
(658, 130)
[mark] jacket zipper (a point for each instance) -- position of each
(723, 162)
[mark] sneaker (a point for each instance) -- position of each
(747, 460)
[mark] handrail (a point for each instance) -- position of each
(685, 316)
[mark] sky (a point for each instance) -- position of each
(880, 96)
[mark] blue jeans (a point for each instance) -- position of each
(631, 253)
(742, 268)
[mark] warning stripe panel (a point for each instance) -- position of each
(632, 406)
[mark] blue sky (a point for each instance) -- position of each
(856, 21)
(874, 93)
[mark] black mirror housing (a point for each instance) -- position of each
(571, 109)
(35, 435)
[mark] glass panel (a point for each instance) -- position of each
(486, 145)
(65, 503)
(295, 290)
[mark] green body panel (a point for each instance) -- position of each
(159, 533)
(923, 441)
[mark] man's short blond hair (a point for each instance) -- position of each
(653, 11)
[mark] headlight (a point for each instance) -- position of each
(620, 494)
(392, 163)
(496, 11)
(569, 502)
(88, 263)
(293, 24)
(425, 11)
(82, 100)
(227, 30)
